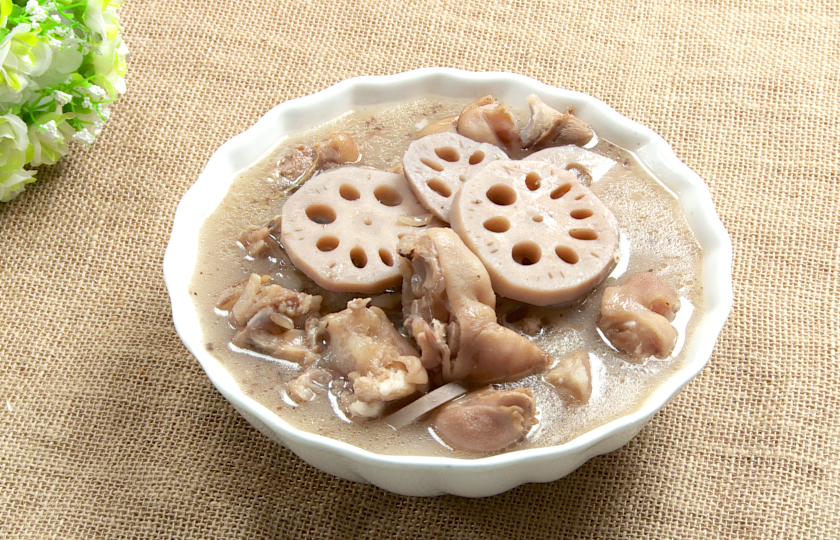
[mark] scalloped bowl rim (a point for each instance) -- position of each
(240, 151)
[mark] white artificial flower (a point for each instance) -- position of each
(97, 92)
(91, 121)
(21, 60)
(48, 138)
(13, 143)
(62, 98)
(36, 13)
(35, 61)
(112, 65)
(83, 137)
(11, 184)
(101, 17)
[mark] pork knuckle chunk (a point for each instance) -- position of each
(275, 319)
(487, 121)
(449, 308)
(550, 127)
(636, 316)
(573, 377)
(380, 364)
(486, 421)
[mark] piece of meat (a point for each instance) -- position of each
(520, 317)
(573, 376)
(257, 294)
(550, 127)
(303, 161)
(381, 365)
(311, 382)
(487, 121)
(487, 420)
(338, 149)
(297, 163)
(448, 124)
(262, 240)
(636, 316)
(446, 287)
(274, 319)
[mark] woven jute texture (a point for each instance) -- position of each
(111, 429)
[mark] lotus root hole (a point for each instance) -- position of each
(526, 253)
(581, 172)
(432, 164)
(386, 257)
(321, 214)
(579, 197)
(447, 153)
(439, 187)
(581, 213)
(349, 193)
(368, 221)
(533, 181)
(583, 234)
(476, 157)
(462, 178)
(562, 190)
(327, 243)
(497, 224)
(387, 195)
(501, 194)
(358, 257)
(538, 219)
(567, 254)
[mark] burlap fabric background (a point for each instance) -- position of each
(110, 428)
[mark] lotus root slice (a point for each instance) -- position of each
(438, 165)
(544, 238)
(341, 228)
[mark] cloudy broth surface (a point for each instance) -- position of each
(655, 236)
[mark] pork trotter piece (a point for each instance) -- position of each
(487, 420)
(380, 364)
(488, 121)
(550, 127)
(573, 377)
(636, 316)
(276, 320)
(449, 308)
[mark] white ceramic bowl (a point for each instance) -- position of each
(435, 475)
